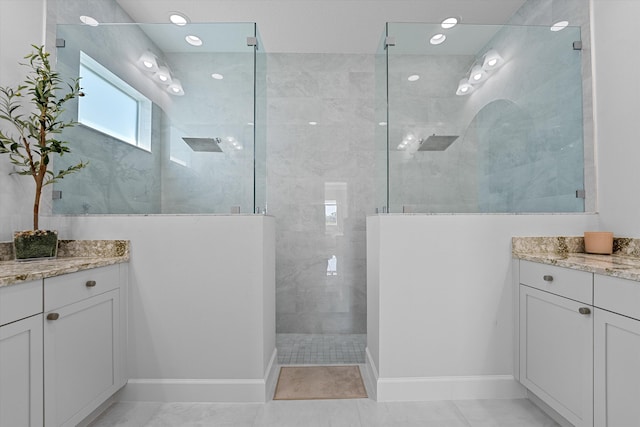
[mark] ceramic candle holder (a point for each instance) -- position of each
(598, 242)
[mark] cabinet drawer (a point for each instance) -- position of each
(20, 301)
(618, 295)
(574, 284)
(69, 288)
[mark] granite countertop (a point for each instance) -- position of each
(568, 251)
(73, 255)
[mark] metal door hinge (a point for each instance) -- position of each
(389, 41)
(60, 43)
(56, 194)
(577, 45)
(580, 194)
(252, 41)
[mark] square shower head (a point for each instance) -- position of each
(204, 144)
(437, 142)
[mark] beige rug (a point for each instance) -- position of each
(319, 382)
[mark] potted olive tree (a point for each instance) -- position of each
(34, 111)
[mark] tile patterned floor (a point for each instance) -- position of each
(320, 349)
(326, 349)
(335, 413)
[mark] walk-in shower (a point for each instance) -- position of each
(488, 120)
(173, 120)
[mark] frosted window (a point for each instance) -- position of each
(110, 105)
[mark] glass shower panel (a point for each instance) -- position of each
(196, 119)
(489, 120)
(260, 128)
(381, 119)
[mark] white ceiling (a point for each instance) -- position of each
(322, 26)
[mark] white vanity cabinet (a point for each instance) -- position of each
(556, 338)
(21, 355)
(83, 343)
(616, 352)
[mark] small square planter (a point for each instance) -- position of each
(33, 245)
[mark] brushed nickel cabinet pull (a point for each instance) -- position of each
(584, 310)
(91, 283)
(547, 278)
(53, 316)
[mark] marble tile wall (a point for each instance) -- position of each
(320, 187)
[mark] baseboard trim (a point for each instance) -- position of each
(548, 410)
(201, 390)
(271, 376)
(413, 389)
(371, 375)
(449, 388)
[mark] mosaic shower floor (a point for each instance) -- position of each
(320, 349)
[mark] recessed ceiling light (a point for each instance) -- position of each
(449, 23)
(559, 26)
(438, 38)
(382, 124)
(89, 20)
(193, 40)
(413, 77)
(178, 19)
(217, 76)
(313, 123)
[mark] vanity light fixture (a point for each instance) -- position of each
(437, 39)
(478, 75)
(217, 76)
(178, 19)
(163, 75)
(413, 78)
(492, 60)
(449, 22)
(89, 20)
(193, 40)
(559, 26)
(148, 62)
(464, 88)
(175, 88)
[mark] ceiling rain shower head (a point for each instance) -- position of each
(210, 145)
(437, 142)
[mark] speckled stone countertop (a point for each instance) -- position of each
(569, 252)
(73, 255)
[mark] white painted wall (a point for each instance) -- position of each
(443, 284)
(201, 303)
(617, 110)
(21, 25)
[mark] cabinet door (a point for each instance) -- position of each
(556, 353)
(617, 370)
(21, 373)
(81, 358)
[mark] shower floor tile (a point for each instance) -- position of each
(320, 349)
